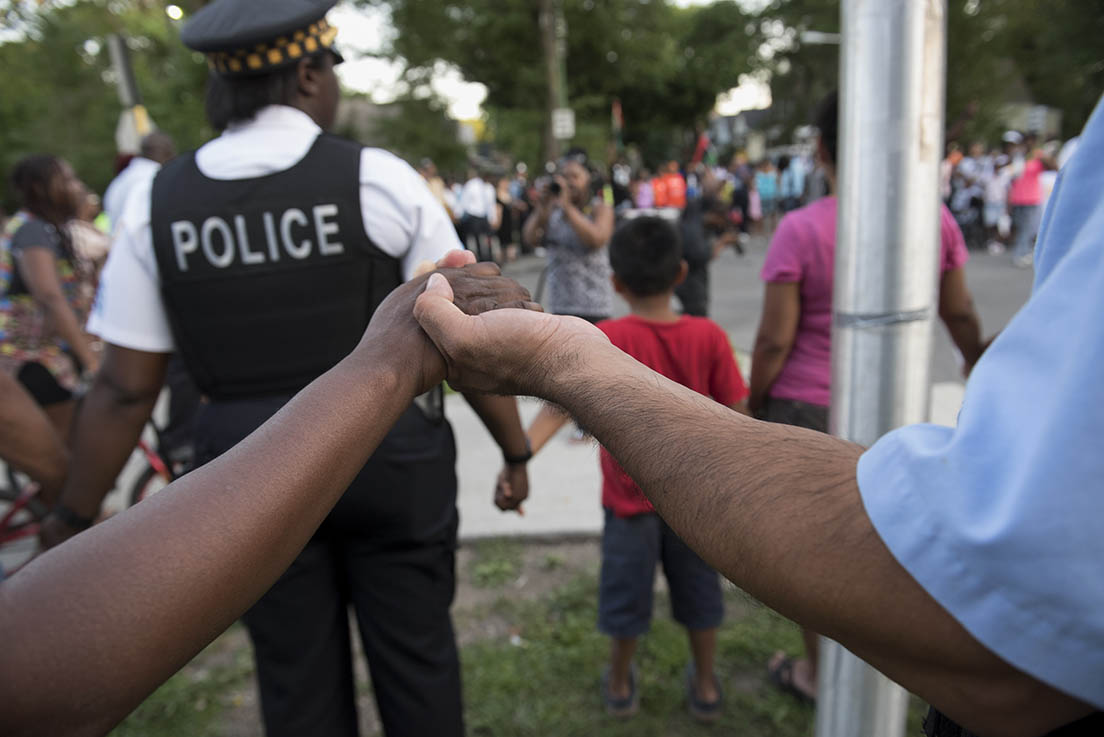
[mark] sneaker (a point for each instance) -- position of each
(995, 247)
(1023, 262)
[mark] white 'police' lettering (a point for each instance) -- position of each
(224, 259)
(304, 248)
(270, 236)
(323, 228)
(247, 256)
(222, 244)
(185, 241)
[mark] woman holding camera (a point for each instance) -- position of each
(574, 226)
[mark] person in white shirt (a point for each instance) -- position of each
(478, 207)
(156, 149)
(260, 258)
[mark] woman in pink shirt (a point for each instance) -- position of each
(1025, 198)
(791, 364)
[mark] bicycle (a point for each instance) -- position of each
(21, 511)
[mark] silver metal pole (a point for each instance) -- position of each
(892, 72)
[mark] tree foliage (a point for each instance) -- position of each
(665, 64)
(59, 94)
(997, 51)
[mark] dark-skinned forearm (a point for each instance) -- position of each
(767, 361)
(500, 416)
(107, 428)
(118, 609)
(28, 441)
(965, 330)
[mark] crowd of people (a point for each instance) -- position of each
(317, 292)
(997, 194)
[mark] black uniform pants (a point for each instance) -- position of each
(387, 551)
(477, 229)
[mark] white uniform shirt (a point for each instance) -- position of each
(400, 214)
(140, 170)
(477, 199)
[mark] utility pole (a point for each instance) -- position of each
(134, 122)
(892, 72)
(560, 123)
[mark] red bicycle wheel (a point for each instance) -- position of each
(147, 484)
(20, 514)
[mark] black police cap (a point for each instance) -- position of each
(242, 37)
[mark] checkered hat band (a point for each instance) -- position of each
(286, 49)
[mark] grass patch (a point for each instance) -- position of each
(191, 702)
(495, 562)
(548, 683)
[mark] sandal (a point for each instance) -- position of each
(703, 711)
(621, 708)
(782, 676)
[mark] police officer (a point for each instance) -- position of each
(260, 258)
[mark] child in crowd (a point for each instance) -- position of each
(646, 256)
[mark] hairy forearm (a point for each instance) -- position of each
(777, 510)
(500, 416)
(118, 609)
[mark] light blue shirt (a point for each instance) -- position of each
(793, 179)
(1002, 519)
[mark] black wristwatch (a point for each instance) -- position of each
(71, 519)
(518, 460)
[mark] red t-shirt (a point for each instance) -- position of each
(676, 190)
(659, 192)
(694, 352)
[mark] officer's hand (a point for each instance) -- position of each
(503, 351)
(452, 260)
(394, 337)
(512, 487)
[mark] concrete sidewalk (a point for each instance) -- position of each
(565, 486)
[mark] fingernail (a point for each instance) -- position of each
(435, 280)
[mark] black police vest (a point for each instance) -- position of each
(267, 282)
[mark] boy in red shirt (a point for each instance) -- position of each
(646, 256)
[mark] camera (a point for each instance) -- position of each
(554, 188)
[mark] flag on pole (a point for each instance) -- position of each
(617, 122)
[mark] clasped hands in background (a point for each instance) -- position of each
(482, 332)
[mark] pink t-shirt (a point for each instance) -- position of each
(803, 250)
(1026, 189)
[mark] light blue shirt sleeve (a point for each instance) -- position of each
(1001, 519)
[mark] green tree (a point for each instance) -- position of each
(666, 64)
(60, 96)
(1048, 48)
(416, 128)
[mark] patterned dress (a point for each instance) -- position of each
(578, 276)
(25, 335)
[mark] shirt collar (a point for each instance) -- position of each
(277, 116)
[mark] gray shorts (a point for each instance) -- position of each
(631, 548)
